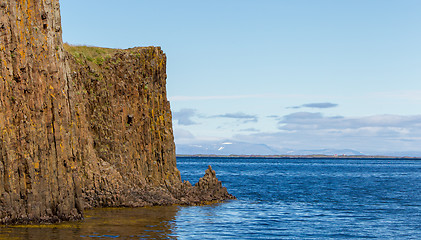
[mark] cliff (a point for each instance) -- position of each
(89, 128)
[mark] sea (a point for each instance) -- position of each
(276, 199)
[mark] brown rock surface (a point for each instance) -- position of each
(83, 130)
(37, 180)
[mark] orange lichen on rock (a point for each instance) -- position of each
(88, 128)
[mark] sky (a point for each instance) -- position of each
(300, 74)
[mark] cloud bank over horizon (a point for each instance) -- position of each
(313, 130)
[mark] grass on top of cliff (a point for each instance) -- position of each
(96, 55)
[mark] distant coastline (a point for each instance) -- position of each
(317, 156)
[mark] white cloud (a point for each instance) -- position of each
(184, 116)
(306, 130)
(308, 120)
(239, 116)
(316, 105)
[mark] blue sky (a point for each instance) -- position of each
(289, 74)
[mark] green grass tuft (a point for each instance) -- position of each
(96, 55)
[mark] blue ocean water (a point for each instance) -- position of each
(277, 199)
(307, 199)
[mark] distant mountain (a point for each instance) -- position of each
(229, 147)
(324, 152)
(243, 148)
(404, 154)
(225, 148)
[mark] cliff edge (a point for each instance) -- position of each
(82, 128)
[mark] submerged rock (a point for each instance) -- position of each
(83, 127)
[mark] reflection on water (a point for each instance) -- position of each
(138, 223)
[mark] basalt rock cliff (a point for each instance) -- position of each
(79, 131)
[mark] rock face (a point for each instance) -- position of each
(37, 180)
(80, 132)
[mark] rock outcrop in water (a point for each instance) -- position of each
(80, 132)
